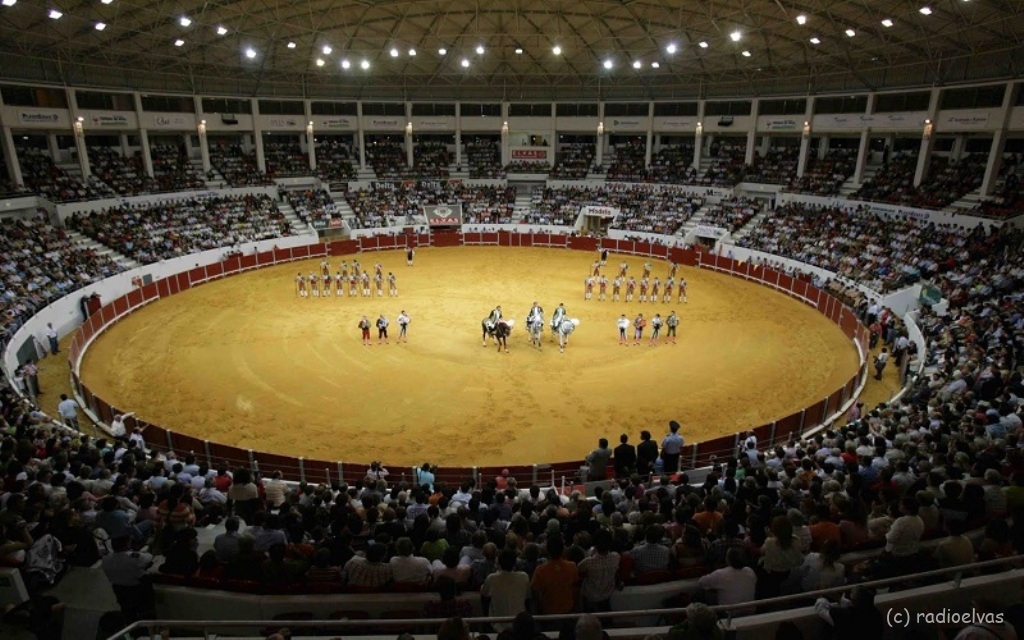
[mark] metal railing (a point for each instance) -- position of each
(725, 612)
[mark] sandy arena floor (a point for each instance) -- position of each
(244, 361)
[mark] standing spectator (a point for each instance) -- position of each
(598, 574)
(671, 448)
(781, 555)
(504, 594)
(625, 457)
(126, 571)
(68, 410)
(556, 582)
(51, 336)
(597, 460)
(646, 454)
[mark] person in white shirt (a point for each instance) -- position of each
(68, 410)
(403, 326)
(734, 584)
(904, 537)
(409, 568)
(505, 592)
(821, 570)
(117, 428)
(277, 490)
(51, 337)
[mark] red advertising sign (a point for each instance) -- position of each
(529, 154)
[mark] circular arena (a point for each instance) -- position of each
(193, 427)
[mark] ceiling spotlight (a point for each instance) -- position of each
(222, 30)
(702, 44)
(327, 49)
(925, 11)
(442, 51)
(815, 40)
(100, 26)
(320, 62)
(412, 53)
(9, 3)
(655, 65)
(557, 50)
(364, 65)
(671, 48)
(250, 53)
(184, 21)
(851, 32)
(465, 63)
(480, 49)
(608, 64)
(55, 15)
(887, 23)
(179, 42)
(393, 52)
(519, 51)
(102, 1)
(746, 54)
(637, 64)
(735, 35)
(345, 64)
(801, 19)
(291, 45)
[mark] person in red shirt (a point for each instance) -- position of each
(823, 528)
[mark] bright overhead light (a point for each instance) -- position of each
(179, 42)
(9, 3)
(345, 64)
(925, 11)
(412, 53)
(55, 15)
(442, 51)
(801, 19)
(608, 64)
(655, 65)
(222, 30)
(887, 23)
(394, 52)
(519, 51)
(637, 64)
(735, 35)
(250, 53)
(364, 65)
(100, 26)
(103, 1)
(480, 49)
(815, 40)
(703, 44)
(320, 62)
(746, 54)
(184, 21)
(465, 63)
(557, 50)
(291, 45)
(327, 49)
(851, 32)
(671, 48)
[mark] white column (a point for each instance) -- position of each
(53, 147)
(924, 155)
(361, 136)
(11, 158)
(698, 136)
(995, 154)
(505, 152)
(599, 147)
(78, 129)
(748, 159)
(957, 152)
(257, 136)
(458, 134)
(147, 158)
(311, 145)
(805, 139)
(554, 129)
(649, 147)
(823, 143)
(204, 144)
(862, 155)
(410, 157)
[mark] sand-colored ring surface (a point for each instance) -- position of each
(244, 361)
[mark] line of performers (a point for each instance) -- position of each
(382, 325)
(497, 327)
(650, 290)
(318, 285)
(671, 324)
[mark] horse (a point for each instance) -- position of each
(535, 327)
(556, 320)
(565, 329)
(498, 331)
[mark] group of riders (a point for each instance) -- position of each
(498, 327)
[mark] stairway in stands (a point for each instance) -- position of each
(298, 226)
(86, 242)
(752, 224)
(213, 181)
(692, 223)
(523, 203)
(849, 187)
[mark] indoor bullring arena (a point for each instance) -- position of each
(509, 321)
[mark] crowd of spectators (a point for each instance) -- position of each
(126, 176)
(825, 176)
(573, 161)
(628, 163)
(42, 176)
(484, 158)
(527, 166)
(883, 253)
(313, 206)
(285, 160)
(238, 167)
(38, 264)
(430, 161)
(777, 166)
(173, 170)
(387, 159)
(159, 231)
(390, 203)
(641, 208)
(674, 165)
(8, 188)
(732, 213)
(335, 161)
(946, 181)
(727, 168)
